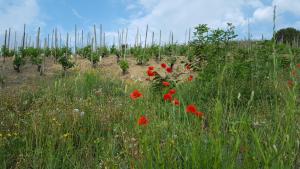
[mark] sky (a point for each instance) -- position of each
(166, 15)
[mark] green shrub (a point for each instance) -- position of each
(142, 56)
(94, 58)
(124, 65)
(103, 51)
(18, 62)
(65, 59)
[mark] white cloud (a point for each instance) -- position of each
(292, 6)
(148, 4)
(179, 15)
(263, 14)
(16, 13)
(254, 3)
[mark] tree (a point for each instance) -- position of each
(287, 36)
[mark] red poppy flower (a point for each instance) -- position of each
(163, 65)
(166, 84)
(188, 67)
(169, 70)
(151, 68)
(294, 72)
(143, 121)
(172, 91)
(168, 97)
(290, 83)
(135, 95)
(190, 78)
(198, 114)
(191, 108)
(150, 73)
(176, 102)
(298, 65)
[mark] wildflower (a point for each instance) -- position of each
(76, 110)
(198, 114)
(190, 78)
(163, 65)
(169, 70)
(135, 95)
(172, 91)
(166, 84)
(82, 114)
(66, 135)
(294, 72)
(151, 68)
(298, 65)
(290, 83)
(176, 102)
(143, 121)
(188, 67)
(168, 97)
(191, 108)
(150, 73)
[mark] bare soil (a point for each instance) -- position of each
(29, 76)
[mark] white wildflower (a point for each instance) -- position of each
(82, 113)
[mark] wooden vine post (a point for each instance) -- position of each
(159, 50)
(75, 44)
(145, 45)
(5, 45)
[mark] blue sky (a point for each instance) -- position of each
(165, 15)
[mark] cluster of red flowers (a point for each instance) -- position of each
(151, 71)
(168, 97)
(143, 120)
(189, 67)
(193, 110)
(168, 69)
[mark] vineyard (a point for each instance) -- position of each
(212, 102)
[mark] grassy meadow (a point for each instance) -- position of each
(246, 95)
